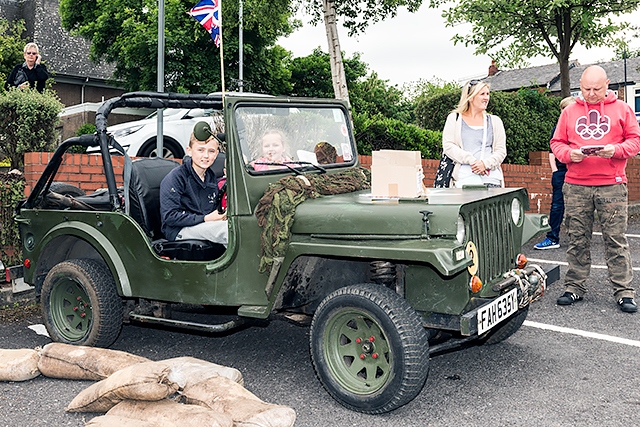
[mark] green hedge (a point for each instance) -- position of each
(12, 186)
(28, 120)
(381, 133)
(528, 116)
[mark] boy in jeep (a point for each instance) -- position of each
(189, 195)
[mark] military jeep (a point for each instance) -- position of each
(383, 282)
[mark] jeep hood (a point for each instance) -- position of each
(358, 214)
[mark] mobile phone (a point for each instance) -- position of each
(591, 150)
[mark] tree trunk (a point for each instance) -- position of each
(337, 66)
(565, 81)
(565, 52)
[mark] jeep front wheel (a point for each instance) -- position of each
(369, 348)
(80, 304)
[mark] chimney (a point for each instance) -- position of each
(493, 69)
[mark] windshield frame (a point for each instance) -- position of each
(302, 127)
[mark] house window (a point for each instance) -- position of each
(636, 107)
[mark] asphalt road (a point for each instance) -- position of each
(583, 375)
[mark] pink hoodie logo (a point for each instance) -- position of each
(593, 126)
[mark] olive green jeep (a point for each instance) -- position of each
(383, 282)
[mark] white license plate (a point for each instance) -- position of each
(498, 310)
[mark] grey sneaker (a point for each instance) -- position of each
(568, 298)
(628, 305)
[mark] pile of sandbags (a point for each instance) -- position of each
(135, 391)
(18, 365)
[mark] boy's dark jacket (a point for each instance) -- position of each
(185, 199)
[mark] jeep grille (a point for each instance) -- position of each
(490, 227)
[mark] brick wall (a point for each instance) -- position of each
(85, 171)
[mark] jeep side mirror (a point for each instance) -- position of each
(202, 131)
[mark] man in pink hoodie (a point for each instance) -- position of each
(594, 138)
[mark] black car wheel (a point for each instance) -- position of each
(170, 149)
(369, 348)
(80, 304)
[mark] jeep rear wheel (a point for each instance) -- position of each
(80, 304)
(369, 348)
(504, 331)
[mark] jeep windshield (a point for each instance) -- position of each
(279, 139)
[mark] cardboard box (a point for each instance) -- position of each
(397, 174)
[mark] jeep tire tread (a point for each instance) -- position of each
(80, 304)
(369, 348)
(66, 189)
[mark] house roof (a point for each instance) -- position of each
(549, 75)
(65, 55)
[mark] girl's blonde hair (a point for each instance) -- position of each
(469, 90)
(566, 102)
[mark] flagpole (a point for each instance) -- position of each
(240, 49)
(221, 52)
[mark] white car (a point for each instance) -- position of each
(139, 137)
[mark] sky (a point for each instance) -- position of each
(414, 46)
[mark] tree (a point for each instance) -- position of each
(11, 47)
(374, 96)
(516, 30)
(357, 15)
(311, 75)
(125, 32)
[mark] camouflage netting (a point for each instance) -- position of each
(277, 206)
(12, 185)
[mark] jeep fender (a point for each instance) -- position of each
(97, 241)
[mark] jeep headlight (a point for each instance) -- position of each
(460, 232)
(126, 131)
(516, 211)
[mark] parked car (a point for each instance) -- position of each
(382, 283)
(139, 137)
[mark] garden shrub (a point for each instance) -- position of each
(12, 191)
(374, 133)
(528, 116)
(28, 121)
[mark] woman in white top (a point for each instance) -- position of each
(474, 139)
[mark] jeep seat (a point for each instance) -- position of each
(144, 208)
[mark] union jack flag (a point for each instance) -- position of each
(207, 12)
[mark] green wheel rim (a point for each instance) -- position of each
(71, 310)
(357, 351)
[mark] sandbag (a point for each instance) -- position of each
(18, 364)
(245, 408)
(74, 362)
(170, 411)
(187, 370)
(116, 421)
(142, 381)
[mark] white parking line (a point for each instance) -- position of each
(580, 333)
(597, 233)
(546, 261)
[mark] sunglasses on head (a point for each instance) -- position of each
(472, 83)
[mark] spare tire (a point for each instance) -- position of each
(66, 189)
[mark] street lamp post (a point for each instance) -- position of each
(240, 50)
